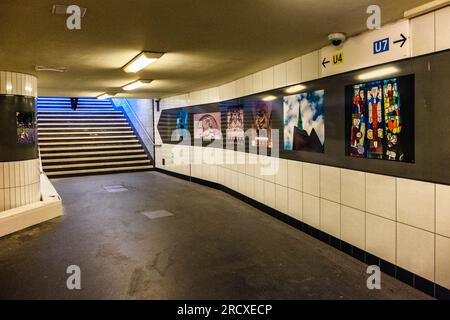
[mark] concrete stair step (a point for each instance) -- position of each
(58, 130)
(123, 147)
(84, 124)
(44, 144)
(74, 116)
(81, 112)
(76, 133)
(97, 171)
(86, 138)
(93, 154)
(105, 158)
(81, 119)
(96, 164)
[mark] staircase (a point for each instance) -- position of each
(94, 139)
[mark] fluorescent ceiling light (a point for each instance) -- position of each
(106, 96)
(269, 98)
(141, 61)
(426, 8)
(61, 9)
(136, 85)
(51, 69)
(378, 73)
(295, 89)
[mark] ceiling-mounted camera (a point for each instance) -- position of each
(337, 38)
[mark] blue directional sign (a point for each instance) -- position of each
(381, 46)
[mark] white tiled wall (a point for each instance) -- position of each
(443, 261)
(422, 33)
(381, 237)
(416, 203)
(330, 217)
(353, 226)
(442, 29)
(353, 189)
(381, 195)
(389, 217)
(19, 183)
(416, 250)
(443, 210)
(311, 210)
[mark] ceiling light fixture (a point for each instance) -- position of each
(136, 85)
(426, 8)
(378, 73)
(295, 89)
(50, 69)
(61, 9)
(269, 98)
(141, 61)
(106, 96)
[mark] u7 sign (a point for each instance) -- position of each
(381, 46)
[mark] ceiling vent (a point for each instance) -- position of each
(50, 69)
(61, 9)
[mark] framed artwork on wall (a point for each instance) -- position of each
(262, 125)
(207, 126)
(304, 122)
(235, 125)
(182, 120)
(380, 118)
(26, 127)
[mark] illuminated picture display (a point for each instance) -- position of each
(304, 122)
(380, 125)
(235, 125)
(207, 126)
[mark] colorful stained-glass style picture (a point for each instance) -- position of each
(182, 120)
(262, 125)
(377, 122)
(235, 125)
(358, 134)
(393, 120)
(207, 126)
(304, 122)
(26, 127)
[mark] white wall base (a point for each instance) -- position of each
(24, 217)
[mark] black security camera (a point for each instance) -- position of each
(337, 38)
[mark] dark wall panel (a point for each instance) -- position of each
(431, 120)
(10, 149)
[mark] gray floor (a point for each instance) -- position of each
(213, 247)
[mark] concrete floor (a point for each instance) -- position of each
(214, 247)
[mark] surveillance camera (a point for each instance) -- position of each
(337, 38)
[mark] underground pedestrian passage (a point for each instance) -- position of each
(210, 151)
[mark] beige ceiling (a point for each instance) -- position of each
(207, 42)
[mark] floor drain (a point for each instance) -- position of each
(115, 189)
(157, 214)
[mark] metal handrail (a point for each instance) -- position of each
(139, 121)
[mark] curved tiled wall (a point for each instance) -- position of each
(13, 83)
(19, 179)
(19, 183)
